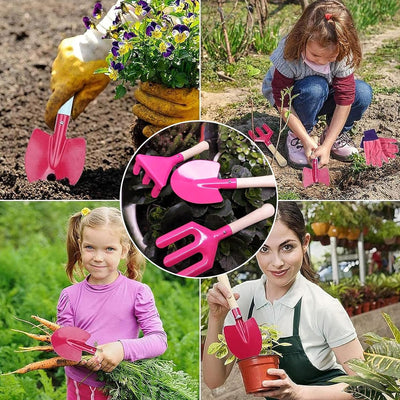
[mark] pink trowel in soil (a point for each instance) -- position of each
(244, 338)
(158, 168)
(54, 154)
(315, 175)
(206, 240)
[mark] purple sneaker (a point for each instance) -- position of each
(295, 151)
(343, 147)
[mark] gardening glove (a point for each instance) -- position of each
(374, 154)
(389, 147)
(161, 106)
(73, 69)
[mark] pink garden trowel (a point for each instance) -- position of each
(244, 338)
(315, 175)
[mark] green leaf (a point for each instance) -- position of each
(355, 380)
(120, 91)
(365, 371)
(392, 326)
(384, 357)
(213, 348)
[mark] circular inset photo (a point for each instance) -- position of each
(198, 199)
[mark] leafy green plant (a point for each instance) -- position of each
(269, 334)
(358, 163)
(268, 41)
(162, 46)
(378, 374)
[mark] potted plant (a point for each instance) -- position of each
(156, 44)
(253, 369)
(378, 373)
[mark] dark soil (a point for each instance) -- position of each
(32, 30)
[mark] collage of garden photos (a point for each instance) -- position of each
(200, 200)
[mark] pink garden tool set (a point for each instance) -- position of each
(315, 175)
(244, 337)
(198, 182)
(54, 154)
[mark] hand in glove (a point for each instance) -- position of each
(161, 106)
(73, 74)
(73, 69)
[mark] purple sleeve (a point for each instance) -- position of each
(64, 312)
(154, 340)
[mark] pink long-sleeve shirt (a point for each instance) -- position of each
(113, 312)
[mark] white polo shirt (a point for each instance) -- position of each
(324, 323)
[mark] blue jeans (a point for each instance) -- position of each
(316, 98)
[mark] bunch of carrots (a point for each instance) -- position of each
(47, 328)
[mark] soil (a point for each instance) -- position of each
(32, 30)
(233, 107)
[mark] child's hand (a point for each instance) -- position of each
(322, 153)
(107, 357)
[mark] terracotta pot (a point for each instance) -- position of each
(353, 233)
(333, 231)
(342, 233)
(366, 306)
(320, 228)
(389, 241)
(254, 371)
(373, 305)
(357, 310)
(350, 311)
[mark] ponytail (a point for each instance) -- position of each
(73, 247)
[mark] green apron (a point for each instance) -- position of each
(294, 359)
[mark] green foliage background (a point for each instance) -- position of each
(32, 258)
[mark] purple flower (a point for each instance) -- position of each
(166, 49)
(182, 4)
(153, 30)
(115, 49)
(180, 33)
(117, 66)
(129, 35)
(88, 23)
(97, 10)
(142, 8)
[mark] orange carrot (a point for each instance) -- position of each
(41, 338)
(54, 362)
(51, 325)
(35, 348)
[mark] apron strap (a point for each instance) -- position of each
(250, 313)
(296, 318)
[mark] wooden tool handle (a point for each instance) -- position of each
(225, 281)
(193, 151)
(256, 181)
(264, 212)
(278, 156)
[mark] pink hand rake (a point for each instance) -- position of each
(206, 240)
(158, 168)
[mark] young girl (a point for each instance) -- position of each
(110, 306)
(318, 58)
(321, 334)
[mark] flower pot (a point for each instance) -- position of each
(254, 371)
(333, 231)
(325, 240)
(342, 233)
(353, 233)
(350, 311)
(320, 228)
(366, 306)
(390, 241)
(357, 310)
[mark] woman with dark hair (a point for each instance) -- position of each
(321, 334)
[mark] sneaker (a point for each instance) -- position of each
(295, 152)
(343, 147)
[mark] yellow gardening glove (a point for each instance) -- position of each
(161, 106)
(72, 76)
